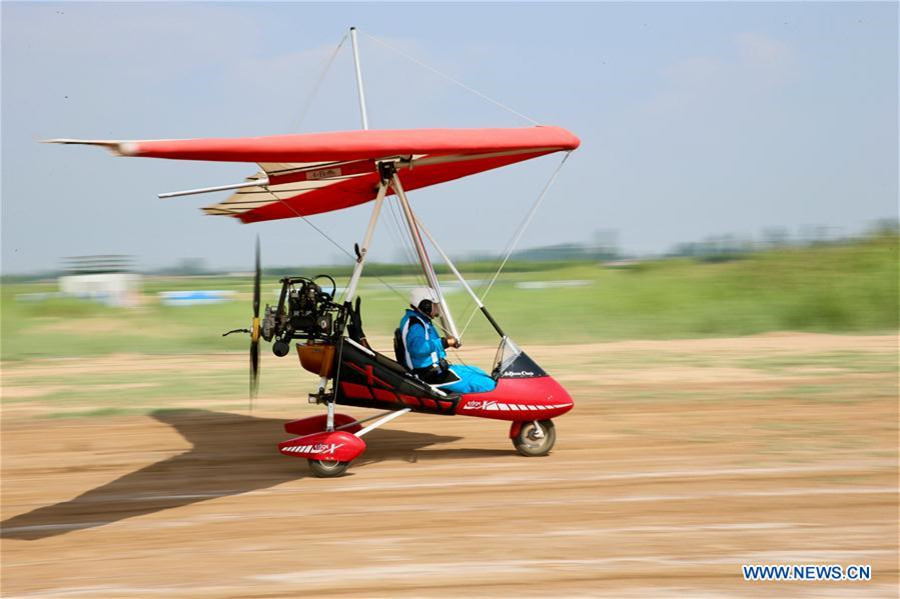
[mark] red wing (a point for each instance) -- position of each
(319, 172)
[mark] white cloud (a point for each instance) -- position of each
(756, 63)
(695, 71)
(688, 81)
(759, 51)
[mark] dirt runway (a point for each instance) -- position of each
(682, 461)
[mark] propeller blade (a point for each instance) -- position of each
(254, 371)
(254, 331)
(256, 282)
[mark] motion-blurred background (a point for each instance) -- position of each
(713, 277)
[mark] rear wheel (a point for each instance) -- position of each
(533, 441)
(327, 468)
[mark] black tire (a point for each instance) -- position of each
(528, 445)
(327, 468)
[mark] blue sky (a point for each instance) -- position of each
(696, 119)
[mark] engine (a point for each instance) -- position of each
(304, 312)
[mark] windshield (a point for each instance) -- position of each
(506, 354)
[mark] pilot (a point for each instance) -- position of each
(422, 349)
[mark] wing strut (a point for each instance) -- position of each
(424, 260)
(364, 250)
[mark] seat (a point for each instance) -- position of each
(399, 350)
(354, 325)
(388, 363)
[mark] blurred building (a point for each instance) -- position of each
(108, 278)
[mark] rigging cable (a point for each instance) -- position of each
(315, 90)
(396, 233)
(518, 235)
(406, 243)
(452, 79)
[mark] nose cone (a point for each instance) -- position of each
(558, 397)
(532, 398)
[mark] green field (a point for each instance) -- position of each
(835, 288)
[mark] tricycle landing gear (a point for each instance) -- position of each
(535, 438)
(327, 468)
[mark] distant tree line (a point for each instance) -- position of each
(602, 248)
(722, 248)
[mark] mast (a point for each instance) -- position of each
(382, 187)
(359, 81)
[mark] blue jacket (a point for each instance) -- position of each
(421, 341)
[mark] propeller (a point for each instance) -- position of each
(254, 332)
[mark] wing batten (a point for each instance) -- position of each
(291, 201)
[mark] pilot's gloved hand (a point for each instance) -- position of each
(450, 342)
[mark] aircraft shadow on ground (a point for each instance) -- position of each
(230, 454)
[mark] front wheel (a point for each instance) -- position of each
(327, 468)
(533, 441)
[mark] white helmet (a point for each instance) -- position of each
(422, 293)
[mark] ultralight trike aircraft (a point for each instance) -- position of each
(308, 174)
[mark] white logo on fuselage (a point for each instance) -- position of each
(479, 405)
(520, 373)
(322, 448)
(329, 448)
